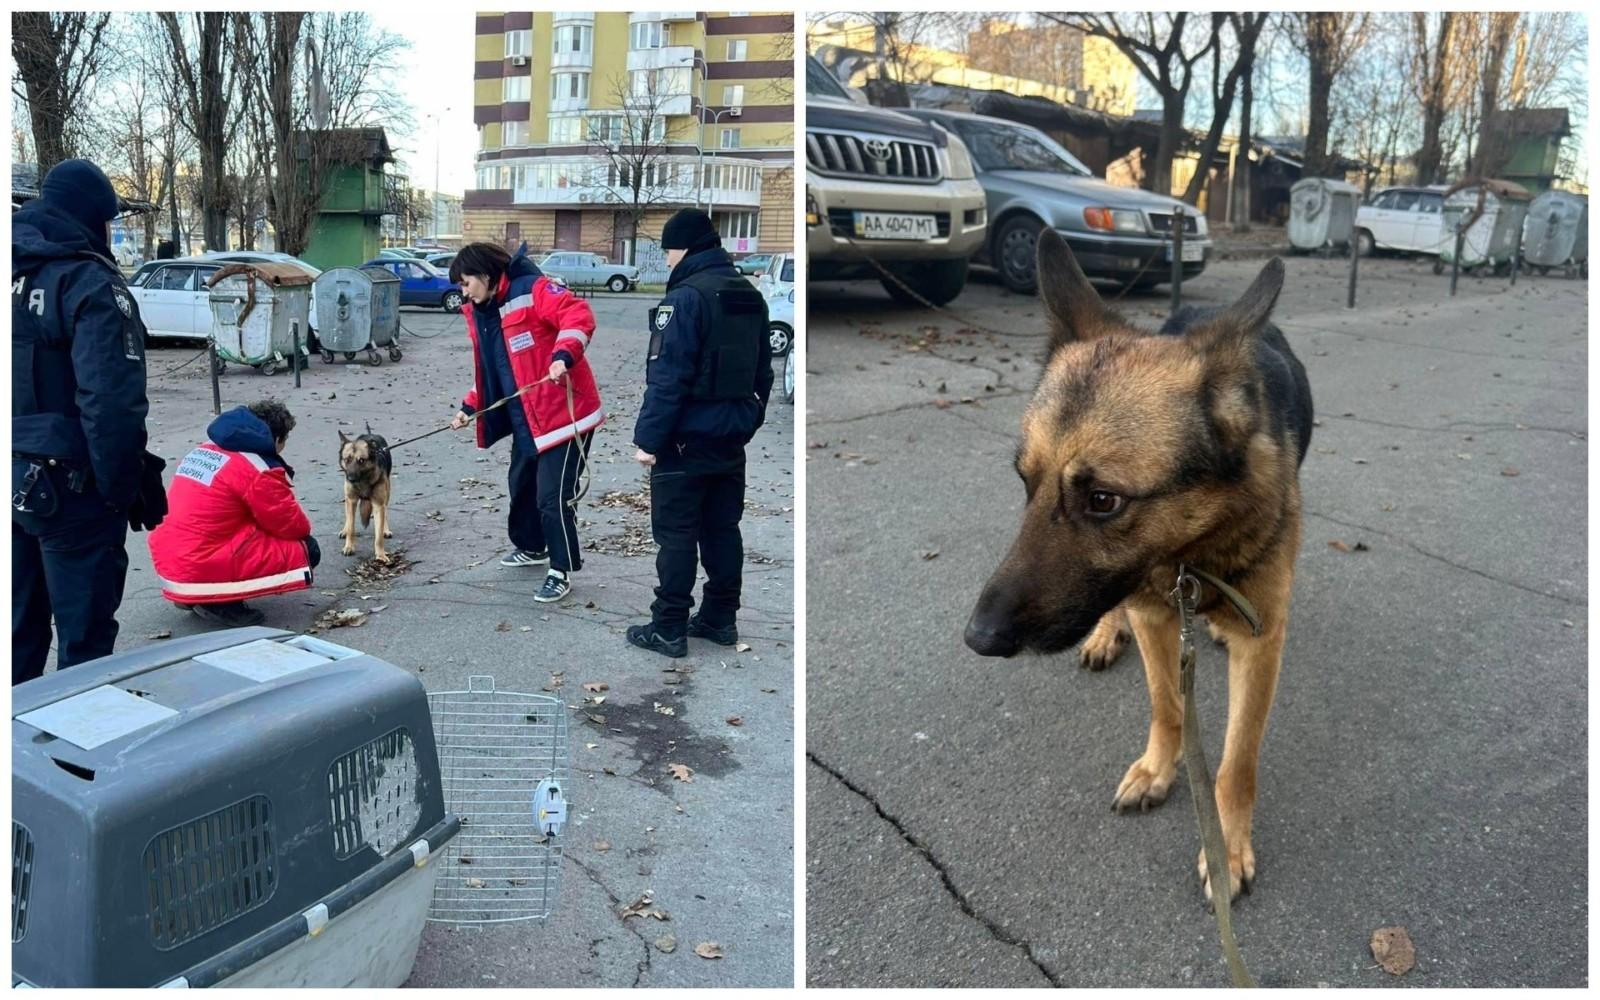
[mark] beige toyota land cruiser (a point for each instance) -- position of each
(886, 192)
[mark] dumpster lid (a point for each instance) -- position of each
(1498, 188)
(1330, 183)
(273, 272)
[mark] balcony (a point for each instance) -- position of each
(572, 60)
(578, 193)
(560, 105)
(561, 17)
(660, 15)
(670, 57)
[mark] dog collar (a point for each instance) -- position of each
(1194, 575)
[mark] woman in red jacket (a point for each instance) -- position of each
(234, 529)
(525, 329)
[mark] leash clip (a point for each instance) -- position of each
(19, 497)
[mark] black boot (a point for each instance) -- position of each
(646, 637)
(233, 614)
(725, 635)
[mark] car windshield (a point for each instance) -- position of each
(821, 83)
(427, 268)
(788, 270)
(1005, 147)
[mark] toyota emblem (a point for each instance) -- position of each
(877, 149)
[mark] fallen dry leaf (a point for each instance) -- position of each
(665, 709)
(683, 772)
(708, 949)
(734, 720)
(1391, 946)
(930, 554)
(1337, 544)
(602, 845)
(477, 883)
(742, 647)
(666, 944)
(1508, 471)
(503, 627)
(943, 404)
(596, 686)
(165, 633)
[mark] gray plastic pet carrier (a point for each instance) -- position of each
(241, 808)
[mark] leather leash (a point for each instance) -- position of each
(1187, 595)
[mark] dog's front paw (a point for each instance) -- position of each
(343, 533)
(388, 534)
(349, 547)
(1145, 786)
(1104, 644)
(1241, 870)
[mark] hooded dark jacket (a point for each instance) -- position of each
(77, 355)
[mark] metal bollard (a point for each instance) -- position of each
(1455, 263)
(1516, 261)
(295, 326)
(1177, 257)
(216, 384)
(1355, 255)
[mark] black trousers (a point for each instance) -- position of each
(541, 485)
(696, 501)
(70, 566)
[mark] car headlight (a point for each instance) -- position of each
(960, 159)
(1200, 222)
(813, 217)
(1113, 220)
(791, 296)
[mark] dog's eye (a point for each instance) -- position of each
(1103, 503)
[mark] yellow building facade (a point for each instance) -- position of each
(596, 126)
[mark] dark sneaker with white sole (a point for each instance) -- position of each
(522, 557)
(233, 614)
(725, 635)
(646, 637)
(555, 588)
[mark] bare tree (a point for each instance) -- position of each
(636, 147)
(58, 57)
(1432, 37)
(1371, 115)
(1165, 54)
(1328, 39)
(1246, 29)
(210, 79)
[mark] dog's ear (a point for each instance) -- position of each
(1254, 308)
(1076, 312)
(342, 439)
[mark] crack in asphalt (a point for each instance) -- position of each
(1298, 327)
(643, 966)
(903, 408)
(1571, 602)
(1477, 427)
(995, 930)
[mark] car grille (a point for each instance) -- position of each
(896, 160)
(1162, 222)
(843, 222)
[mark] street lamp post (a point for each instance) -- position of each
(436, 124)
(700, 186)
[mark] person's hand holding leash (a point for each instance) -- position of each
(558, 368)
(644, 458)
(460, 420)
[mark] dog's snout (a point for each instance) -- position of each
(985, 639)
(992, 629)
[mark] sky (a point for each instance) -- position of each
(439, 85)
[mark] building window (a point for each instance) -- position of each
(503, 178)
(519, 43)
(573, 38)
(483, 137)
(569, 86)
(605, 128)
(733, 95)
(566, 128)
(730, 138)
(644, 130)
(485, 178)
(659, 82)
(514, 133)
(516, 89)
(737, 225)
(649, 35)
(737, 48)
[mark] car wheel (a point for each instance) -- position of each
(617, 283)
(936, 282)
(452, 302)
(1365, 244)
(781, 338)
(1016, 253)
(788, 379)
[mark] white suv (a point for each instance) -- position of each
(1402, 218)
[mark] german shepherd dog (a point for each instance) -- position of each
(366, 465)
(1141, 452)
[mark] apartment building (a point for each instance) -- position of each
(595, 127)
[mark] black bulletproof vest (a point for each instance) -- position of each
(735, 319)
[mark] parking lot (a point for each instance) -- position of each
(713, 853)
(1426, 762)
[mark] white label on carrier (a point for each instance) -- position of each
(263, 660)
(97, 717)
(521, 342)
(202, 465)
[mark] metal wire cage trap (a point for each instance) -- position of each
(503, 762)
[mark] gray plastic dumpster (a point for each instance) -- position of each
(241, 808)
(1556, 233)
(358, 310)
(1322, 213)
(258, 309)
(1491, 213)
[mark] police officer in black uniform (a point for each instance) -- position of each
(707, 383)
(80, 476)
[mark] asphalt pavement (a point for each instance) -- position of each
(714, 853)
(1426, 761)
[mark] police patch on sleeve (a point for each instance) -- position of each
(663, 317)
(123, 302)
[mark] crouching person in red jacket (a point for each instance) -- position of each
(234, 529)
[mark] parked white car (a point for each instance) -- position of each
(175, 302)
(780, 323)
(777, 280)
(1408, 219)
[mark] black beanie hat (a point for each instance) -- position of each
(689, 229)
(81, 191)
